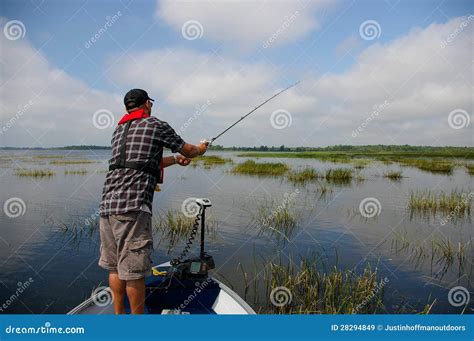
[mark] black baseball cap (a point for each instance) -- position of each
(136, 97)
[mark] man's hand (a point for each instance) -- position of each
(182, 161)
(192, 150)
(203, 147)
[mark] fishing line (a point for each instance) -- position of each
(249, 113)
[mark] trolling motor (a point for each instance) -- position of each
(196, 267)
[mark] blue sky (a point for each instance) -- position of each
(322, 46)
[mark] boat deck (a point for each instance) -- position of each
(173, 296)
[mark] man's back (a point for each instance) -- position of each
(129, 189)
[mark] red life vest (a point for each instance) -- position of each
(142, 166)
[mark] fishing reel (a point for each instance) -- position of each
(206, 141)
(196, 267)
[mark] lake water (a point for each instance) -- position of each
(51, 250)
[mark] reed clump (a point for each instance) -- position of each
(441, 251)
(393, 175)
(251, 167)
(304, 175)
(339, 175)
(70, 162)
(174, 226)
(361, 163)
(470, 168)
(324, 189)
(455, 203)
(312, 291)
(432, 165)
(279, 221)
(36, 173)
(76, 172)
(211, 160)
(48, 156)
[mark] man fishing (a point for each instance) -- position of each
(135, 168)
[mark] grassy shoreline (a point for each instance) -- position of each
(387, 155)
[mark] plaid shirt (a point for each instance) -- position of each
(127, 189)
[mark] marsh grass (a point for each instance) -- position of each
(76, 172)
(36, 173)
(324, 189)
(75, 229)
(278, 219)
(361, 163)
(322, 156)
(335, 291)
(70, 162)
(400, 240)
(441, 251)
(339, 175)
(251, 167)
(426, 202)
(335, 159)
(175, 227)
(381, 152)
(470, 168)
(48, 156)
(210, 160)
(393, 175)
(301, 176)
(430, 165)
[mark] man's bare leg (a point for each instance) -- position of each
(136, 295)
(118, 292)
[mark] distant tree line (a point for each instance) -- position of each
(341, 148)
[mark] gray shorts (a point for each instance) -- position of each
(126, 243)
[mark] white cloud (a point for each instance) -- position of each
(348, 45)
(245, 23)
(44, 106)
(421, 81)
(184, 80)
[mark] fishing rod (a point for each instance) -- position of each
(209, 142)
